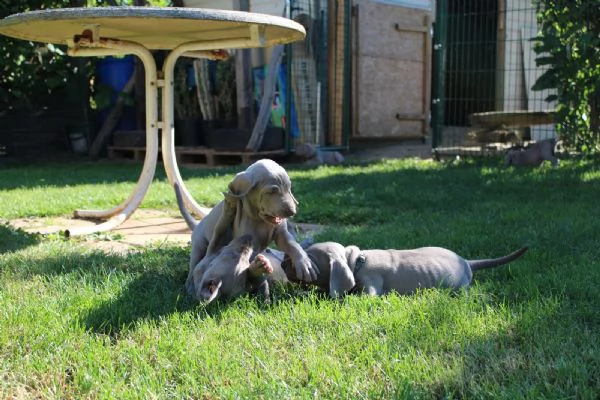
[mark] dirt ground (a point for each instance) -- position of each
(144, 228)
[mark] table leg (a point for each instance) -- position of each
(168, 140)
(119, 214)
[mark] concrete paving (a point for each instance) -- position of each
(144, 228)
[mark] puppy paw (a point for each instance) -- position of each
(306, 270)
(260, 266)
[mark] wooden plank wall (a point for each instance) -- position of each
(336, 77)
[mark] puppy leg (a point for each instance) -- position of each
(372, 285)
(260, 266)
(224, 225)
(341, 279)
(305, 270)
(256, 279)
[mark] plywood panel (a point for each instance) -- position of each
(391, 32)
(389, 87)
(393, 71)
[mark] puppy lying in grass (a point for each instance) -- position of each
(311, 155)
(533, 155)
(378, 272)
(229, 272)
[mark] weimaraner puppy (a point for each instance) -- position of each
(533, 155)
(258, 202)
(229, 273)
(377, 272)
(311, 155)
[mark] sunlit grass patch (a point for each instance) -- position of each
(79, 323)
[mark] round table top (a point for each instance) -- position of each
(153, 27)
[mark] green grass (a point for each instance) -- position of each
(77, 323)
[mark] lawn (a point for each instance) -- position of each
(78, 323)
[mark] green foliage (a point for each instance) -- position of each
(33, 74)
(569, 45)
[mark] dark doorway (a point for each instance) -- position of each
(470, 59)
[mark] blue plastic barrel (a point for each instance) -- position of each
(115, 72)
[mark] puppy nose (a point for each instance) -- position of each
(289, 210)
(289, 207)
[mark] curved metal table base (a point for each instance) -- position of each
(119, 214)
(202, 49)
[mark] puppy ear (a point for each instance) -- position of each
(209, 290)
(341, 278)
(241, 184)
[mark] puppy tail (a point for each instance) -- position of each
(189, 219)
(496, 262)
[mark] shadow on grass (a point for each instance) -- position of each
(149, 296)
(124, 288)
(156, 292)
(13, 239)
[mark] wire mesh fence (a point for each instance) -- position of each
(484, 75)
(318, 67)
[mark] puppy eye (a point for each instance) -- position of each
(273, 190)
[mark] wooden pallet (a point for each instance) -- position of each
(126, 153)
(198, 155)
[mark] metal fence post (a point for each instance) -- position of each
(439, 67)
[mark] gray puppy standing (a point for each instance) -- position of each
(377, 272)
(258, 202)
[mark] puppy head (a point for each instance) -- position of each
(334, 276)
(305, 150)
(266, 191)
(320, 255)
(224, 276)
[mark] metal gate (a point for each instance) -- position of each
(484, 70)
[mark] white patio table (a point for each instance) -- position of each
(192, 32)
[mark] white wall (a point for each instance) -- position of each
(272, 7)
